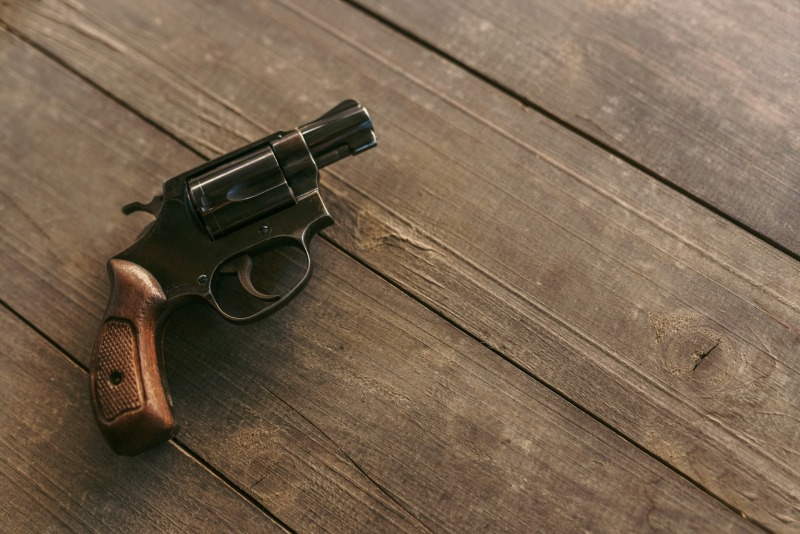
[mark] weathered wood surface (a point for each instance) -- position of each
(659, 318)
(703, 93)
(354, 409)
(57, 474)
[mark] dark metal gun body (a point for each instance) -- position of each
(209, 222)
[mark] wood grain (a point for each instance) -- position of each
(126, 386)
(354, 409)
(57, 474)
(662, 319)
(701, 92)
(459, 438)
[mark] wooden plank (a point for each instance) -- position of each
(660, 318)
(57, 474)
(702, 93)
(353, 409)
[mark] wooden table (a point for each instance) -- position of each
(562, 294)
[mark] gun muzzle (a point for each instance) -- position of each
(346, 130)
(254, 182)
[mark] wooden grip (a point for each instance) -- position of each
(129, 396)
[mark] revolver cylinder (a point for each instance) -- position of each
(272, 177)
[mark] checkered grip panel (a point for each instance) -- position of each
(117, 387)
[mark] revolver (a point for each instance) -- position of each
(210, 222)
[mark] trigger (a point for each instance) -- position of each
(242, 266)
(152, 207)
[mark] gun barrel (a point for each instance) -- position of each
(344, 131)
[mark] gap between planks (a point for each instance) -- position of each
(497, 86)
(552, 116)
(601, 44)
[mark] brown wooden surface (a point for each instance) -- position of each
(365, 424)
(701, 92)
(645, 315)
(133, 411)
(57, 475)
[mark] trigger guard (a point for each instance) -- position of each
(243, 266)
(275, 304)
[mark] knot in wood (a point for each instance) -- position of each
(695, 351)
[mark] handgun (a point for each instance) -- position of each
(210, 224)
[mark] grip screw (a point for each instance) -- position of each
(115, 377)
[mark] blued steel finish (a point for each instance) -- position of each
(218, 211)
(229, 196)
(210, 222)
